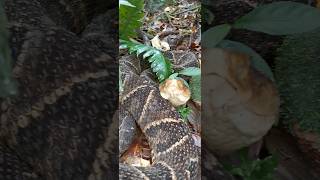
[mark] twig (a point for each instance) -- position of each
(169, 18)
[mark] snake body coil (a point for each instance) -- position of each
(60, 125)
(174, 153)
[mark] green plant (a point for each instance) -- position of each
(7, 84)
(125, 3)
(195, 88)
(297, 73)
(184, 112)
(130, 16)
(131, 13)
(259, 169)
(194, 85)
(278, 18)
(159, 63)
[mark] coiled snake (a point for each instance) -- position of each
(174, 152)
(60, 124)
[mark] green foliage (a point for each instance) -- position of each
(159, 64)
(281, 18)
(130, 18)
(297, 73)
(214, 35)
(190, 71)
(184, 112)
(278, 18)
(195, 88)
(256, 60)
(125, 3)
(173, 76)
(7, 84)
(260, 169)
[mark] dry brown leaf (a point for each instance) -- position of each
(137, 161)
(157, 43)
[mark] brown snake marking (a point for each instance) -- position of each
(36, 108)
(157, 123)
(174, 153)
(69, 133)
(60, 125)
(145, 106)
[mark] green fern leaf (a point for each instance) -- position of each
(142, 49)
(130, 18)
(195, 87)
(147, 54)
(159, 64)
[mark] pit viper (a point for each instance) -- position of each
(175, 154)
(60, 124)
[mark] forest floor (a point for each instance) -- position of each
(172, 27)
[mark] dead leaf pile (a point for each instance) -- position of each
(176, 27)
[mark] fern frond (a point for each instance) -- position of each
(159, 63)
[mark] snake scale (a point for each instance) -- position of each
(60, 124)
(174, 152)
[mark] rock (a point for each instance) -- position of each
(241, 104)
(175, 91)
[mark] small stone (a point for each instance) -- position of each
(175, 91)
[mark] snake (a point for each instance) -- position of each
(174, 153)
(61, 124)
